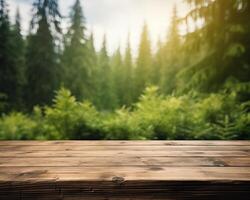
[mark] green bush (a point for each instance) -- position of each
(118, 126)
(44, 130)
(193, 116)
(16, 126)
(72, 119)
(162, 117)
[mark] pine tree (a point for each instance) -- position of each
(75, 57)
(143, 72)
(50, 9)
(106, 99)
(19, 58)
(42, 59)
(10, 68)
(128, 81)
(93, 65)
(172, 54)
(5, 72)
(158, 62)
(91, 50)
(117, 76)
(220, 44)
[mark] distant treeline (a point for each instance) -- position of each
(212, 56)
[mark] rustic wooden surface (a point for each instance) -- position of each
(127, 170)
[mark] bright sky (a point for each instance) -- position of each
(115, 18)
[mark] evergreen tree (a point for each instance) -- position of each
(128, 81)
(106, 99)
(5, 71)
(75, 57)
(93, 65)
(143, 72)
(220, 44)
(117, 76)
(50, 9)
(92, 51)
(19, 58)
(10, 55)
(172, 54)
(158, 62)
(42, 59)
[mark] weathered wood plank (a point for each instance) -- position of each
(128, 143)
(129, 173)
(122, 148)
(128, 161)
(128, 153)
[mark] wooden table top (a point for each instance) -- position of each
(120, 167)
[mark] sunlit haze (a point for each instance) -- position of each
(115, 18)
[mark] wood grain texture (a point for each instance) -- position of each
(127, 170)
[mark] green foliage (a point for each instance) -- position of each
(163, 117)
(143, 71)
(19, 60)
(43, 130)
(49, 8)
(120, 126)
(194, 116)
(93, 65)
(219, 46)
(127, 78)
(242, 127)
(71, 119)
(11, 61)
(106, 98)
(117, 73)
(170, 54)
(76, 72)
(16, 126)
(42, 66)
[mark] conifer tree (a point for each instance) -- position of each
(158, 62)
(75, 61)
(5, 72)
(42, 59)
(19, 58)
(143, 72)
(106, 99)
(91, 50)
(10, 68)
(128, 80)
(93, 65)
(50, 9)
(172, 53)
(117, 76)
(220, 43)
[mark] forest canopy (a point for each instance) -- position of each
(196, 85)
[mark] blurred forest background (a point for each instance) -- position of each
(195, 86)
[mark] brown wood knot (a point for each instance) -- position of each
(156, 168)
(33, 173)
(118, 180)
(219, 163)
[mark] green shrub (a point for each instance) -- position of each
(243, 127)
(193, 116)
(44, 130)
(71, 119)
(16, 126)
